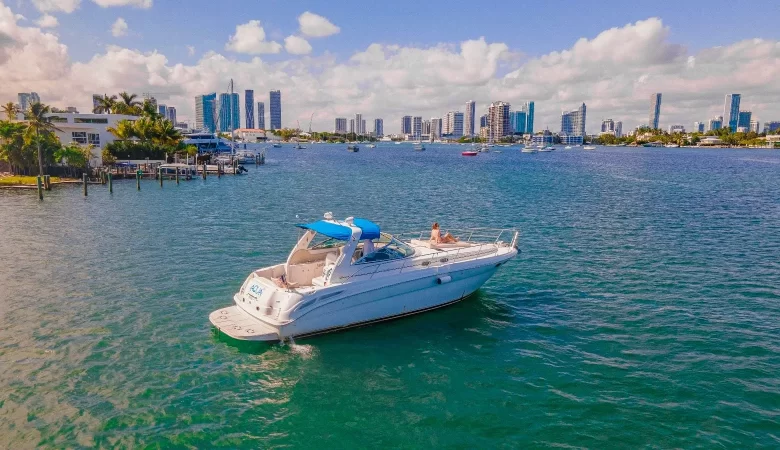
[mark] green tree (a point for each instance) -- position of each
(106, 105)
(74, 154)
(11, 110)
(39, 124)
(108, 158)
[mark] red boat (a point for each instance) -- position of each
(470, 153)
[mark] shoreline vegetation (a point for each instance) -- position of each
(31, 145)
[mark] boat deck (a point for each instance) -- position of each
(237, 324)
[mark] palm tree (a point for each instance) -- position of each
(129, 104)
(38, 122)
(11, 110)
(105, 104)
(125, 130)
(149, 110)
(165, 133)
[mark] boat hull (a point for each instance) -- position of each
(360, 305)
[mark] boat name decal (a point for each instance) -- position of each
(255, 289)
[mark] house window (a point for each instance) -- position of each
(79, 137)
(93, 139)
(89, 120)
(57, 119)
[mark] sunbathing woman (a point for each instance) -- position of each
(437, 238)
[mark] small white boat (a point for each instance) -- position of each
(547, 149)
(528, 150)
(371, 145)
(347, 273)
(672, 146)
(397, 143)
(419, 147)
(568, 147)
(353, 148)
(277, 145)
(589, 147)
(299, 147)
(485, 148)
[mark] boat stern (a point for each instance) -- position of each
(238, 324)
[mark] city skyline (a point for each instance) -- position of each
(324, 76)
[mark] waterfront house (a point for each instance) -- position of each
(87, 129)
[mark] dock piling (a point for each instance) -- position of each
(138, 179)
(40, 188)
(204, 171)
(110, 183)
(160, 174)
(86, 180)
(47, 182)
(177, 175)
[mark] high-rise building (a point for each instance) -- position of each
(573, 122)
(162, 110)
(379, 128)
(743, 120)
(436, 127)
(619, 129)
(471, 111)
(205, 105)
(276, 110)
(341, 125)
(170, 114)
(249, 108)
(676, 129)
(359, 124)
(229, 112)
(698, 127)
(608, 126)
(417, 126)
(655, 110)
(731, 111)
(754, 126)
(453, 124)
(771, 127)
(518, 121)
(529, 110)
(96, 102)
(483, 121)
(26, 99)
(352, 126)
(715, 123)
(406, 125)
(261, 115)
(148, 98)
(499, 120)
(426, 127)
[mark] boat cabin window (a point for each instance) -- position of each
(389, 250)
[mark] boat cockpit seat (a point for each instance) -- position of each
(330, 263)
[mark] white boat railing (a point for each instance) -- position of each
(478, 235)
(443, 256)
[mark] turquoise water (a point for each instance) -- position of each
(643, 311)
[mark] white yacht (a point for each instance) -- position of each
(348, 273)
(528, 150)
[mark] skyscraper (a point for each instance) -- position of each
(529, 110)
(249, 108)
(359, 127)
(204, 112)
(715, 123)
(276, 110)
(453, 124)
(655, 110)
(471, 110)
(379, 128)
(483, 120)
(170, 114)
(162, 110)
(498, 114)
(417, 126)
(436, 127)
(24, 101)
(754, 126)
(229, 112)
(352, 125)
(743, 120)
(518, 120)
(34, 97)
(608, 126)
(340, 126)
(731, 111)
(771, 127)
(698, 127)
(619, 129)
(261, 115)
(96, 102)
(573, 122)
(406, 125)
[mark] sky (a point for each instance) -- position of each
(390, 59)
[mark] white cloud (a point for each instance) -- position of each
(390, 81)
(314, 25)
(66, 6)
(297, 45)
(190, 50)
(250, 39)
(119, 28)
(47, 21)
(137, 3)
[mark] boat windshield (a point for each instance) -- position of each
(389, 248)
(322, 241)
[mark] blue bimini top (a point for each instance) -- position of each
(369, 230)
